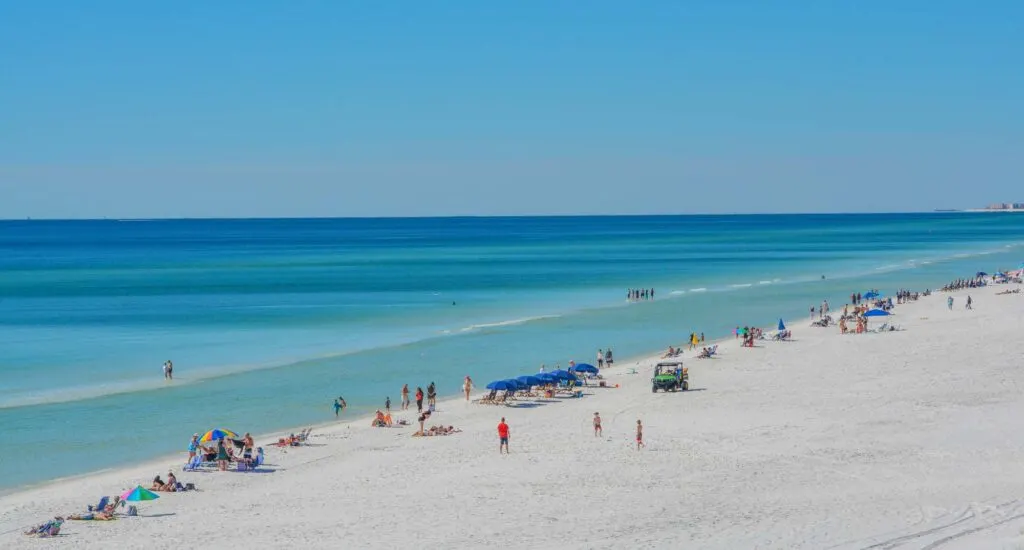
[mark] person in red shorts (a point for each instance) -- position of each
(502, 436)
(639, 435)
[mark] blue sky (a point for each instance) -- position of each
(143, 109)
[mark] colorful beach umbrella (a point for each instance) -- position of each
(216, 434)
(139, 493)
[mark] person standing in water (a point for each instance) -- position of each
(339, 405)
(170, 370)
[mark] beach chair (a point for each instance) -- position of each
(100, 505)
(194, 464)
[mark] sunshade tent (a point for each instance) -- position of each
(584, 367)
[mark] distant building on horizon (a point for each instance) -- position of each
(1006, 206)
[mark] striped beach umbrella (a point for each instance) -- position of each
(216, 434)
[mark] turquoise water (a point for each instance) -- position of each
(268, 320)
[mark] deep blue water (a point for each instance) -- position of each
(268, 320)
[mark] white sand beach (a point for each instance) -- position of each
(906, 439)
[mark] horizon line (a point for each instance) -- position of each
(496, 216)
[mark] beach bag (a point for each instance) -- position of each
(133, 510)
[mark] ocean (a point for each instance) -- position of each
(267, 321)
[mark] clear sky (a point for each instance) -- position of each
(367, 108)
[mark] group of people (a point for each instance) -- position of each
(748, 334)
(823, 309)
(224, 451)
(639, 294)
(168, 370)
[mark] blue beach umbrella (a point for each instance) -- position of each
(562, 374)
(876, 313)
(584, 367)
(871, 295)
(547, 378)
(530, 380)
(501, 385)
(782, 326)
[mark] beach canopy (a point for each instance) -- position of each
(502, 385)
(871, 294)
(216, 434)
(782, 326)
(547, 377)
(584, 367)
(139, 493)
(981, 274)
(876, 313)
(530, 380)
(563, 375)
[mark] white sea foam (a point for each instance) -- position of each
(677, 292)
(510, 322)
(741, 285)
(702, 289)
(764, 282)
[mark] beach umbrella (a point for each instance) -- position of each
(530, 380)
(547, 378)
(584, 367)
(561, 374)
(782, 326)
(139, 493)
(981, 274)
(876, 313)
(216, 434)
(871, 294)
(501, 385)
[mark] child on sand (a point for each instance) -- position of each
(639, 435)
(597, 425)
(503, 436)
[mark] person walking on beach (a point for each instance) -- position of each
(431, 396)
(969, 303)
(405, 397)
(387, 405)
(193, 446)
(502, 436)
(597, 425)
(639, 435)
(467, 386)
(600, 359)
(337, 407)
(419, 399)
(949, 303)
(702, 338)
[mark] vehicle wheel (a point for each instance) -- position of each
(686, 386)
(654, 389)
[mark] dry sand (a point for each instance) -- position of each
(898, 440)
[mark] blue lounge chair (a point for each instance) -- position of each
(194, 464)
(102, 504)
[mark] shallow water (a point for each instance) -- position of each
(268, 320)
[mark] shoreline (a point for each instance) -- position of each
(361, 450)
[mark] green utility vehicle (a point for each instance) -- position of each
(670, 376)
